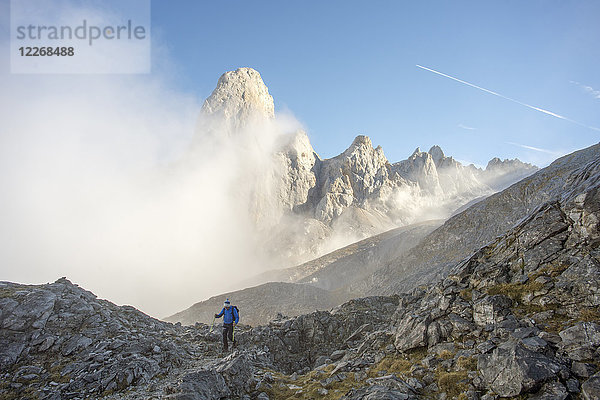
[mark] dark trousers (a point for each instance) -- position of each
(228, 333)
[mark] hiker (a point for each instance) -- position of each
(231, 318)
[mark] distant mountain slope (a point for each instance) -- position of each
(262, 303)
(356, 266)
(401, 239)
(464, 233)
(318, 284)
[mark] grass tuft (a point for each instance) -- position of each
(446, 355)
(466, 294)
(589, 315)
(453, 383)
(467, 363)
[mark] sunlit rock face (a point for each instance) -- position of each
(240, 97)
(420, 168)
(354, 178)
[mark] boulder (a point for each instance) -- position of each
(237, 372)
(336, 355)
(376, 392)
(491, 309)
(590, 390)
(551, 391)
(512, 369)
(202, 385)
(412, 332)
(583, 370)
(580, 341)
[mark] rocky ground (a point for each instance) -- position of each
(517, 319)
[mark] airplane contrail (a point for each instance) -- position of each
(510, 99)
(534, 148)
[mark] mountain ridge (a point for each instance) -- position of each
(303, 205)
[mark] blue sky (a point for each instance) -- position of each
(348, 67)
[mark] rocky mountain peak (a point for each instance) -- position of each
(239, 96)
(357, 190)
(494, 162)
(420, 168)
(437, 154)
(362, 140)
(416, 152)
(363, 145)
(515, 163)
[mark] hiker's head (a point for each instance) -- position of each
(227, 303)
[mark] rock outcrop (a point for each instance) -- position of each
(60, 341)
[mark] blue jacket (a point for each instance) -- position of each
(229, 315)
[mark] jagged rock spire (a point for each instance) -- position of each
(437, 154)
(240, 96)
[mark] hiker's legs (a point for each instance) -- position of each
(225, 330)
(230, 335)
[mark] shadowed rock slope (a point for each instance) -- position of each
(518, 317)
(355, 260)
(260, 304)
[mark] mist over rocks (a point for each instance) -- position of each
(251, 181)
(317, 284)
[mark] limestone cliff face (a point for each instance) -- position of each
(456, 179)
(500, 174)
(296, 160)
(358, 176)
(421, 168)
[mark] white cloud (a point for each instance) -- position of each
(469, 128)
(588, 89)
